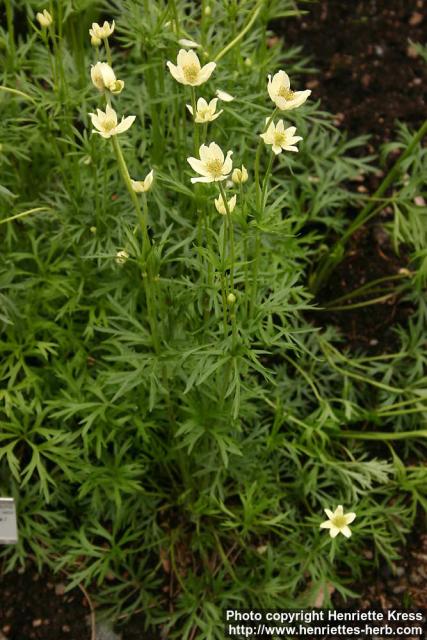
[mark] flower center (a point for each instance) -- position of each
(191, 72)
(215, 167)
(203, 112)
(279, 139)
(108, 124)
(339, 521)
(286, 93)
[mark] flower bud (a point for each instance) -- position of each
(142, 186)
(103, 77)
(208, 11)
(121, 257)
(45, 19)
(231, 299)
(188, 44)
(95, 42)
(239, 176)
(221, 207)
(101, 33)
(224, 96)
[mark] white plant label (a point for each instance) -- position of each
(8, 527)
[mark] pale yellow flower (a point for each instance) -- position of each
(95, 42)
(103, 77)
(188, 70)
(280, 92)
(184, 42)
(212, 166)
(106, 123)
(102, 32)
(224, 96)
(239, 176)
(281, 138)
(338, 522)
(205, 112)
(121, 257)
(45, 19)
(141, 186)
(220, 205)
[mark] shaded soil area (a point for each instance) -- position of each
(370, 75)
(370, 259)
(369, 72)
(402, 586)
(36, 607)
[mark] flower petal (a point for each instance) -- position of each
(350, 517)
(206, 72)
(228, 164)
(176, 72)
(204, 179)
(125, 124)
(224, 96)
(198, 166)
(215, 152)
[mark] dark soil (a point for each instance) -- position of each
(370, 327)
(402, 586)
(133, 629)
(370, 76)
(34, 606)
(369, 73)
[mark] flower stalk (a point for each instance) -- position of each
(128, 183)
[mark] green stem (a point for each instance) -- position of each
(241, 33)
(364, 289)
(11, 32)
(146, 245)
(266, 177)
(126, 179)
(23, 214)
(108, 52)
(255, 269)
(388, 180)
(381, 435)
(245, 247)
(152, 88)
(196, 130)
(175, 16)
(258, 158)
(231, 233)
(359, 305)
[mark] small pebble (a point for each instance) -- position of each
(105, 632)
(416, 18)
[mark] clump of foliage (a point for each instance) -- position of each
(173, 420)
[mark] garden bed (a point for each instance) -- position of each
(37, 606)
